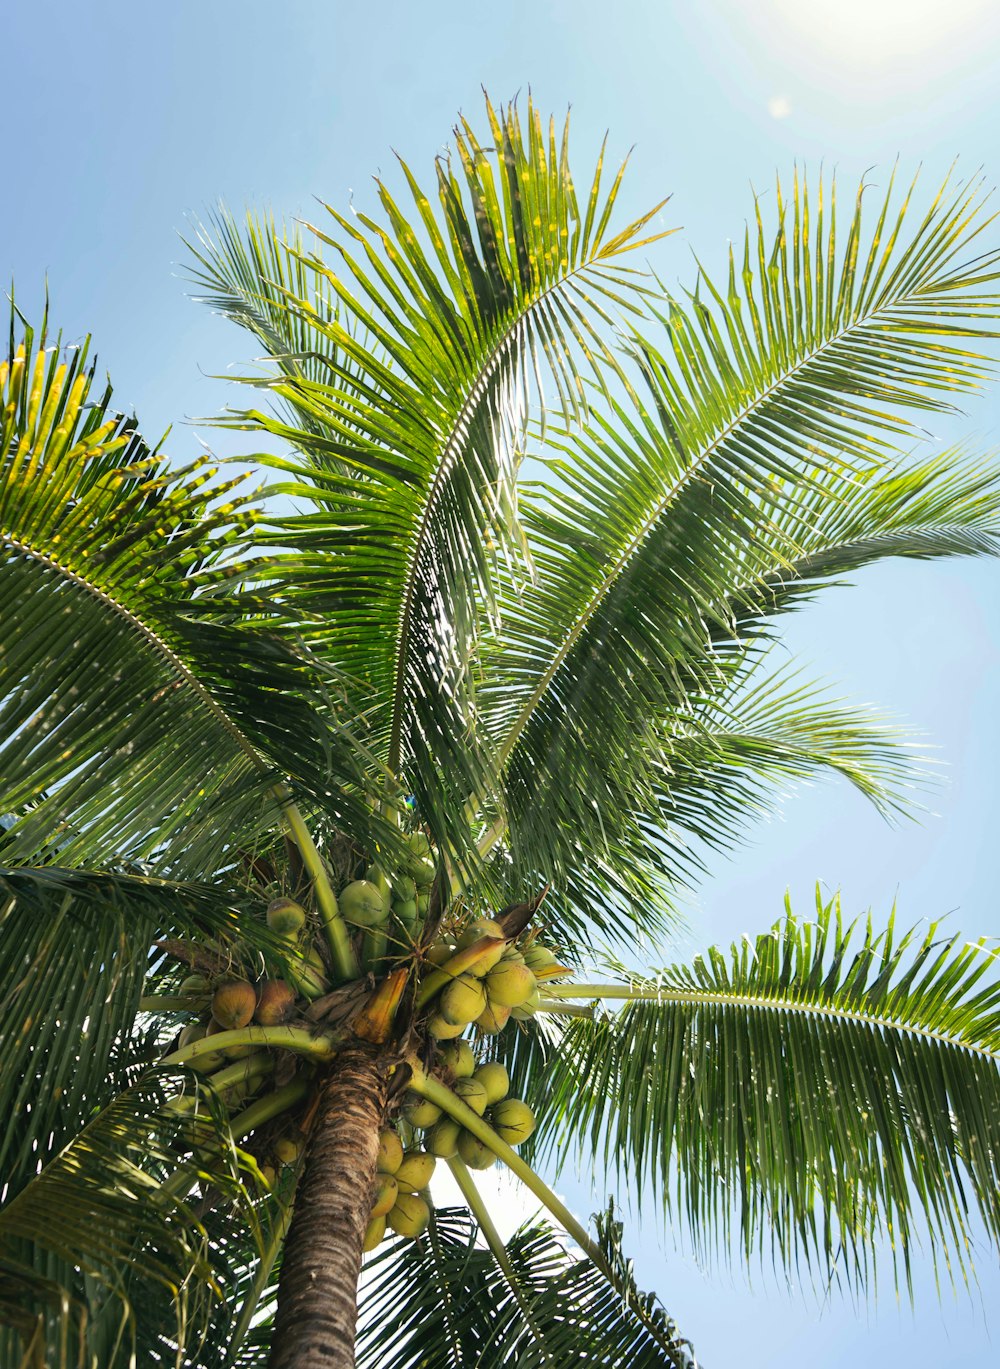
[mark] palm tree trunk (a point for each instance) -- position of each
(317, 1291)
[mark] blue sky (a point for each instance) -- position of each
(124, 119)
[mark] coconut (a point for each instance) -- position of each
(385, 1195)
(275, 1002)
(442, 1030)
(269, 1174)
(415, 1171)
(362, 905)
(462, 1000)
(374, 1232)
(528, 1008)
(513, 1121)
(440, 951)
(285, 916)
(233, 1004)
(423, 904)
(194, 1031)
(195, 986)
(419, 844)
(419, 1112)
(510, 984)
(494, 1079)
(472, 1093)
(390, 1152)
(403, 889)
(287, 1149)
(405, 911)
(410, 1215)
(457, 1057)
(493, 1019)
(476, 931)
(421, 871)
(540, 960)
(442, 1139)
(475, 1153)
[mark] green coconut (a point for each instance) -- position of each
(195, 986)
(475, 1153)
(403, 889)
(419, 1112)
(529, 1007)
(233, 1004)
(443, 1030)
(494, 1079)
(410, 1215)
(285, 916)
(390, 1152)
(419, 844)
(362, 905)
(472, 1093)
(423, 904)
(421, 871)
(275, 1002)
(462, 1000)
(405, 911)
(493, 1019)
(513, 1121)
(385, 1195)
(374, 1232)
(510, 984)
(287, 1149)
(442, 1139)
(457, 1057)
(440, 951)
(415, 1171)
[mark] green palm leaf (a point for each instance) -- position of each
(818, 1089)
(444, 1302)
(139, 718)
(412, 440)
(667, 527)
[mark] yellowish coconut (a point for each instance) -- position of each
(275, 1002)
(493, 1019)
(194, 1031)
(442, 1139)
(528, 1008)
(390, 1152)
(374, 1232)
(385, 1195)
(415, 1171)
(419, 1112)
(513, 1121)
(440, 952)
(410, 1215)
(287, 1149)
(510, 984)
(442, 1030)
(457, 1057)
(475, 1153)
(472, 1094)
(462, 1000)
(494, 1079)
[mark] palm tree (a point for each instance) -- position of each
(446, 712)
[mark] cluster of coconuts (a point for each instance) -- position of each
(484, 1089)
(390, 909)
(399, 1201)
(502, 984)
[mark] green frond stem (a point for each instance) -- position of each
(344, 959)
(481, 1212)
(296, 1039)
(272, 1105)
(246, 1071)
(263, 1276)
(654, 994)
(565, 1009)
(435, 1092)
(163, 1002)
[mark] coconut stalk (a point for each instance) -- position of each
(318, 1047)
(317, 1292)
(344, 960)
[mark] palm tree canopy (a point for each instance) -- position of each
(516, 566)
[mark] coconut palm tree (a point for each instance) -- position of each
(435, 726)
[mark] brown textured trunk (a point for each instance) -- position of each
(317, 1292)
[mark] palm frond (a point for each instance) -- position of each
(433, 329)
(819, 1089)
(444, 1302)
(765, 434)
(139, 718)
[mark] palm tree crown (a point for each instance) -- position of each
(491, 642)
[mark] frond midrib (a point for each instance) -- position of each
(774, 1003)
(622, 560)
(148, 634)
(448, 454)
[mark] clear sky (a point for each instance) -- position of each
(124, 118)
